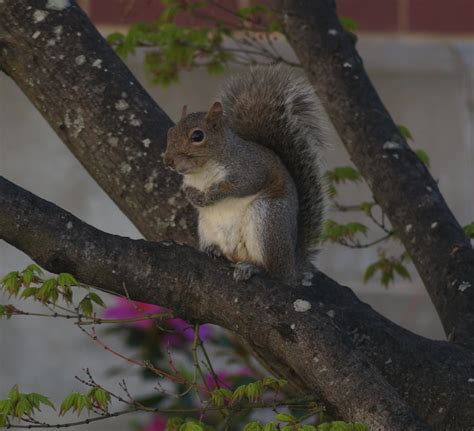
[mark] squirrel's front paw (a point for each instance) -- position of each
(244, 271)
(195, 196)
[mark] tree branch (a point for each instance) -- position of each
(98, 109)
(400, 182)
(323, 349)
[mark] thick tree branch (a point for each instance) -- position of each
(400, 183)
(185, 281)
(98, 108)
(320, 348)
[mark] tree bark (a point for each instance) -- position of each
(310, 345)
(401, 184)
(98, 109)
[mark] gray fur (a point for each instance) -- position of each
(271, 107)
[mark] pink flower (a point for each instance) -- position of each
(181, 331)
(125, 309)
(223, 378)
(158, 423)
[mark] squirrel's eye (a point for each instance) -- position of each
(197, 136)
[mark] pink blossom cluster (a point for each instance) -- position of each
(180, 331)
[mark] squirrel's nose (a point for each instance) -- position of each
(169, 161)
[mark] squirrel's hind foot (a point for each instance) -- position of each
(213, 251)
(244, 271)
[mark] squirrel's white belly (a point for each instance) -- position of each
(231, 224)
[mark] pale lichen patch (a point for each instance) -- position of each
(76, 124)
(434, 225)
(134, 121)
(464, 285)
(331, 314)
(69, 225)
(57, 4)
(125, 168)
(293, 326)
(36, 34)
(301, 305)
(39, 15)
(390, 145)
(347, 65)
(121, 105)
(113, 141)
(408, 228)
(146, 142)
(97, 63)
(150, 181)
(80, 60)
(307, 279)
(58, 31)
(332, 32)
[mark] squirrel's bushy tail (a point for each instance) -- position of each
(270, 106)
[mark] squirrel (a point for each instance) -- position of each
(250, 166)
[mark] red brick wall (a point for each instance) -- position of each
(416, 16)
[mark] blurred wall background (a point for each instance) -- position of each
(420, 57)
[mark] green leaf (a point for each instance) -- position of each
(271, 426)
(342, 174)
(66, 280)
(219, 396)
(238, 393)
(22, 406)
(114, 38)
(96, 298)
(366, 207)
(348, 24)
(333, 231)
(173, 424)
(402, 271)
(192, 426)
(285, 417)
(34, 268)
(253, 391)
(48, 291)
(272, 383)
(11, 283)
(101, 396)
(423, 157)
(37, 399)
(14, 394)
(27, 277)
(86, 306)
(29, 291)
(370, 271)
(253, 426)
(469, 230)
(404, 132)
(68, 403)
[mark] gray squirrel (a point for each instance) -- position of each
(250, 165)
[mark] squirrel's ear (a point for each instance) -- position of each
(214, 115)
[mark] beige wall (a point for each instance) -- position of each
(428, 85)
